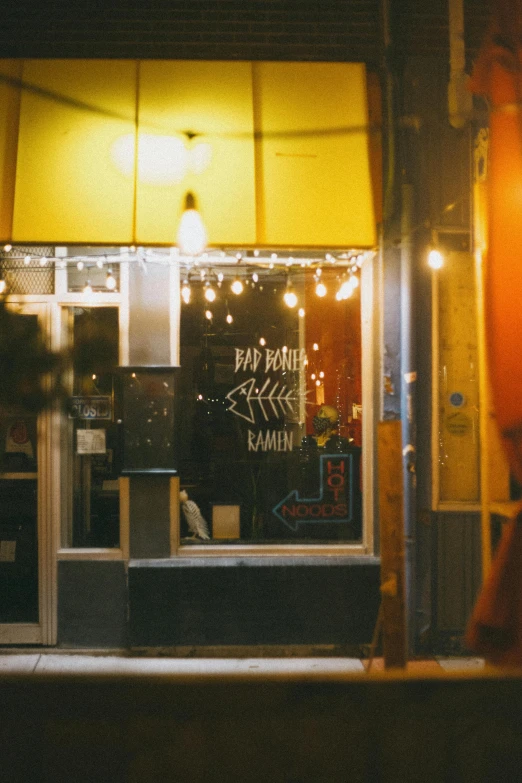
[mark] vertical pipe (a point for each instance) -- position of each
(408, 402)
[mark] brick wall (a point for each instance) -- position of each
(340, 30)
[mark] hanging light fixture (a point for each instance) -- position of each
(192, 236)
(87, 288)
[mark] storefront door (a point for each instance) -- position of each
(24, 517)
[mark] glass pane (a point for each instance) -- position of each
(18, 511)
(271, 410)
(93, 448)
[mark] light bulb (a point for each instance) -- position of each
(43, 261)
(229, 318)
(255, 277)
(346, 289)
(315, 347)
(210, 294)
(301, 312)
(99, 263)
(262, 341)
(185, 292)
(87, 288)
(208, 315)
(290, 298)
(80, 265)
(27, 260)
(237, 286)
(110, 281)
(435, 259)
(192, 236)
(320, 289)
(354, 281)
(8, 248)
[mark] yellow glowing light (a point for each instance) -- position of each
(237, 287)
(3, 285)
(110, 282)
(301, 312)
(321, 374)
(262, 341)
(185, 293)
(313, 376)
(320, 289)
(290, 298)
(229, 318)
(192, 236)
(315, 347)
(210, 294)
(346, 289)
(318, 383)
(435, 259)
(208, 315)
(43, 261)
(87, 288)
(7, 248)
(27, 260)
(162, 160)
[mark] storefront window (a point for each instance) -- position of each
(92, 464)
(270, 390)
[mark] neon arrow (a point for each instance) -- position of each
(294, 510)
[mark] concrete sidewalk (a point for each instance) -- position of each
(19, 662)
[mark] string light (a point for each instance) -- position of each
(185, 292)
(301, 312)
(320, 289)
(237, 286)
(210, 294)
(87, 288)
(80, 265)
(110, 282)
(27, 260)
(208, 315)
(229, 318)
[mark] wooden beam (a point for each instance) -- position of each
(391, 515)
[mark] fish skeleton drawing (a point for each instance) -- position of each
(278, 398)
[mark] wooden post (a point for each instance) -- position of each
(391, 515)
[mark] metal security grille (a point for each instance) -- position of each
(28, 270)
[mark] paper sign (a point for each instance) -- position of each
(90, 442)
(7, 551)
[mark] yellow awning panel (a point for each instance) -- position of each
(104, 151)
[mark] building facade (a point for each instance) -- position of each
(249, 373)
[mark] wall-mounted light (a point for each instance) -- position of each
(435, 259)
(192, 236)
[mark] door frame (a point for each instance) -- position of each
(44, 631)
